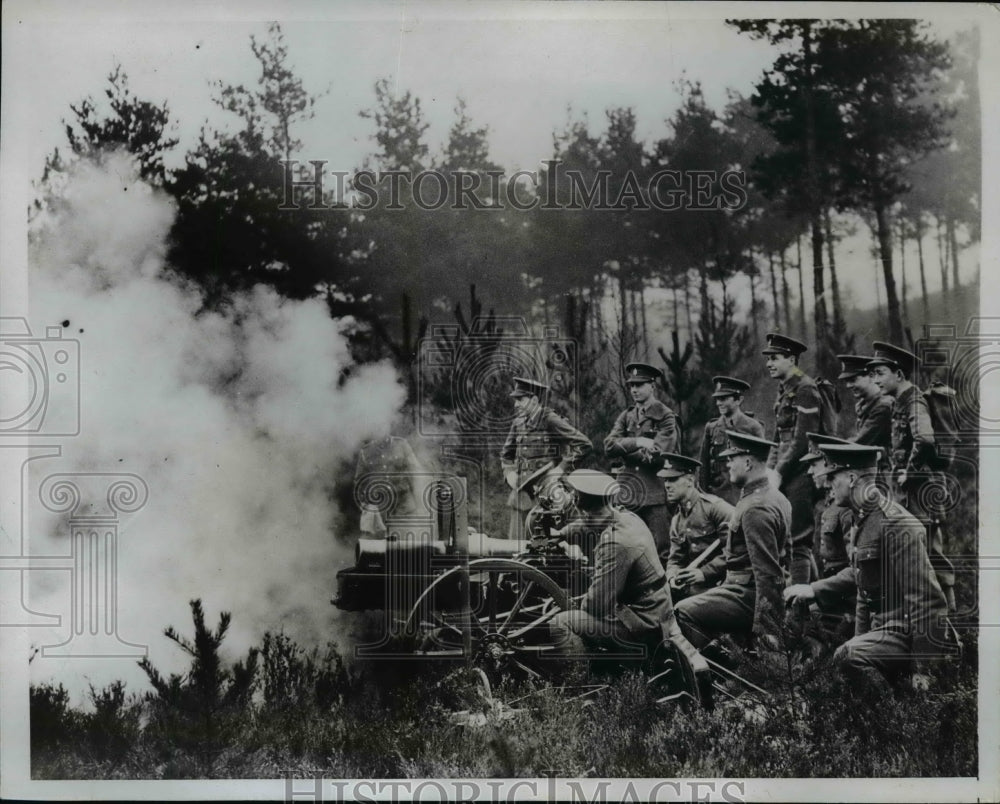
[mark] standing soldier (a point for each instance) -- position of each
(796, 413)
(639, 436)
(913, 450)
(901, 609)
(540, 447)
(713, 476)
(749, 600)
(872, 408)
(698, 531)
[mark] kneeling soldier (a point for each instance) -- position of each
(901, 610)
(749, 600)
(628, 600)
(698, 530)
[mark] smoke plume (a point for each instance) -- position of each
(236, 422)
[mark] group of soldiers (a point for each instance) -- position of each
(762, 529)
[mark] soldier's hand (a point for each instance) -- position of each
(687, 577)
(920, 682)
(799, 593)
(901, 478)
(645, 443)
(573, 551)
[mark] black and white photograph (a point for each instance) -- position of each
(440, 400)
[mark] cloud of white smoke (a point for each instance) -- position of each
(237, 423)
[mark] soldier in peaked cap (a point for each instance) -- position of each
(797, 411)
(872, 408)
(638, 437)
(698, 529)
(540, 446)
(628, 597)
(913, 451)
(728, 396)
(901, 610)
(749, 601)
(833, 521)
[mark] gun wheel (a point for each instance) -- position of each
(504, 630)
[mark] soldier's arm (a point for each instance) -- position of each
(923, 433)
(574, 443)
(616, 443)
(677, 558)
(754, 427)
(720, 514)
(830, 591)
(610, 573)
(705, 456)
(762, 526)
(876, 428)
(807, 420)
(508, 453)
(906, 554)
(665, 439)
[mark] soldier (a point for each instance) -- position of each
(749, 600)
(540, 447)
(872, 408)
(698, 530)
(914, 481)
(901, 610)
(639, 435)
(728, 395)
(796, 412)
(628, 597)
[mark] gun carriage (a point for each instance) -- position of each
(452, 593)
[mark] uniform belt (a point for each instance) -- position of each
(739, 577)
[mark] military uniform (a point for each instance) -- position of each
(797, 412)
(695, 526)
(913, 450)
(639, 466)
(901, 609)
(874, 422)
(532, 442)
(641, 491)
(714, 476)
(750, 597)
(628, 597)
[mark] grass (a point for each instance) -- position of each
(308, 711)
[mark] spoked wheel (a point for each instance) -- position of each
(681, 674)
(505, 629)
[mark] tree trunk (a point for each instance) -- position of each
(902, 271)
(753, 308)
(953, 244)
(942, 257)
(923, 275)
(885, 251)
(838, 313)
(677, 324)
(802, 290)
(785, 295)
(878, 285)
(687, 304)
(774, 290)
(642, 310)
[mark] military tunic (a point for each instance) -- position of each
(913, 450)
(901, 609)
(796, 413)
(531, 443)
(713, 475)
(750, 597)
(695, 526)
(874, 422)
(643, 490)
(628, 594)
